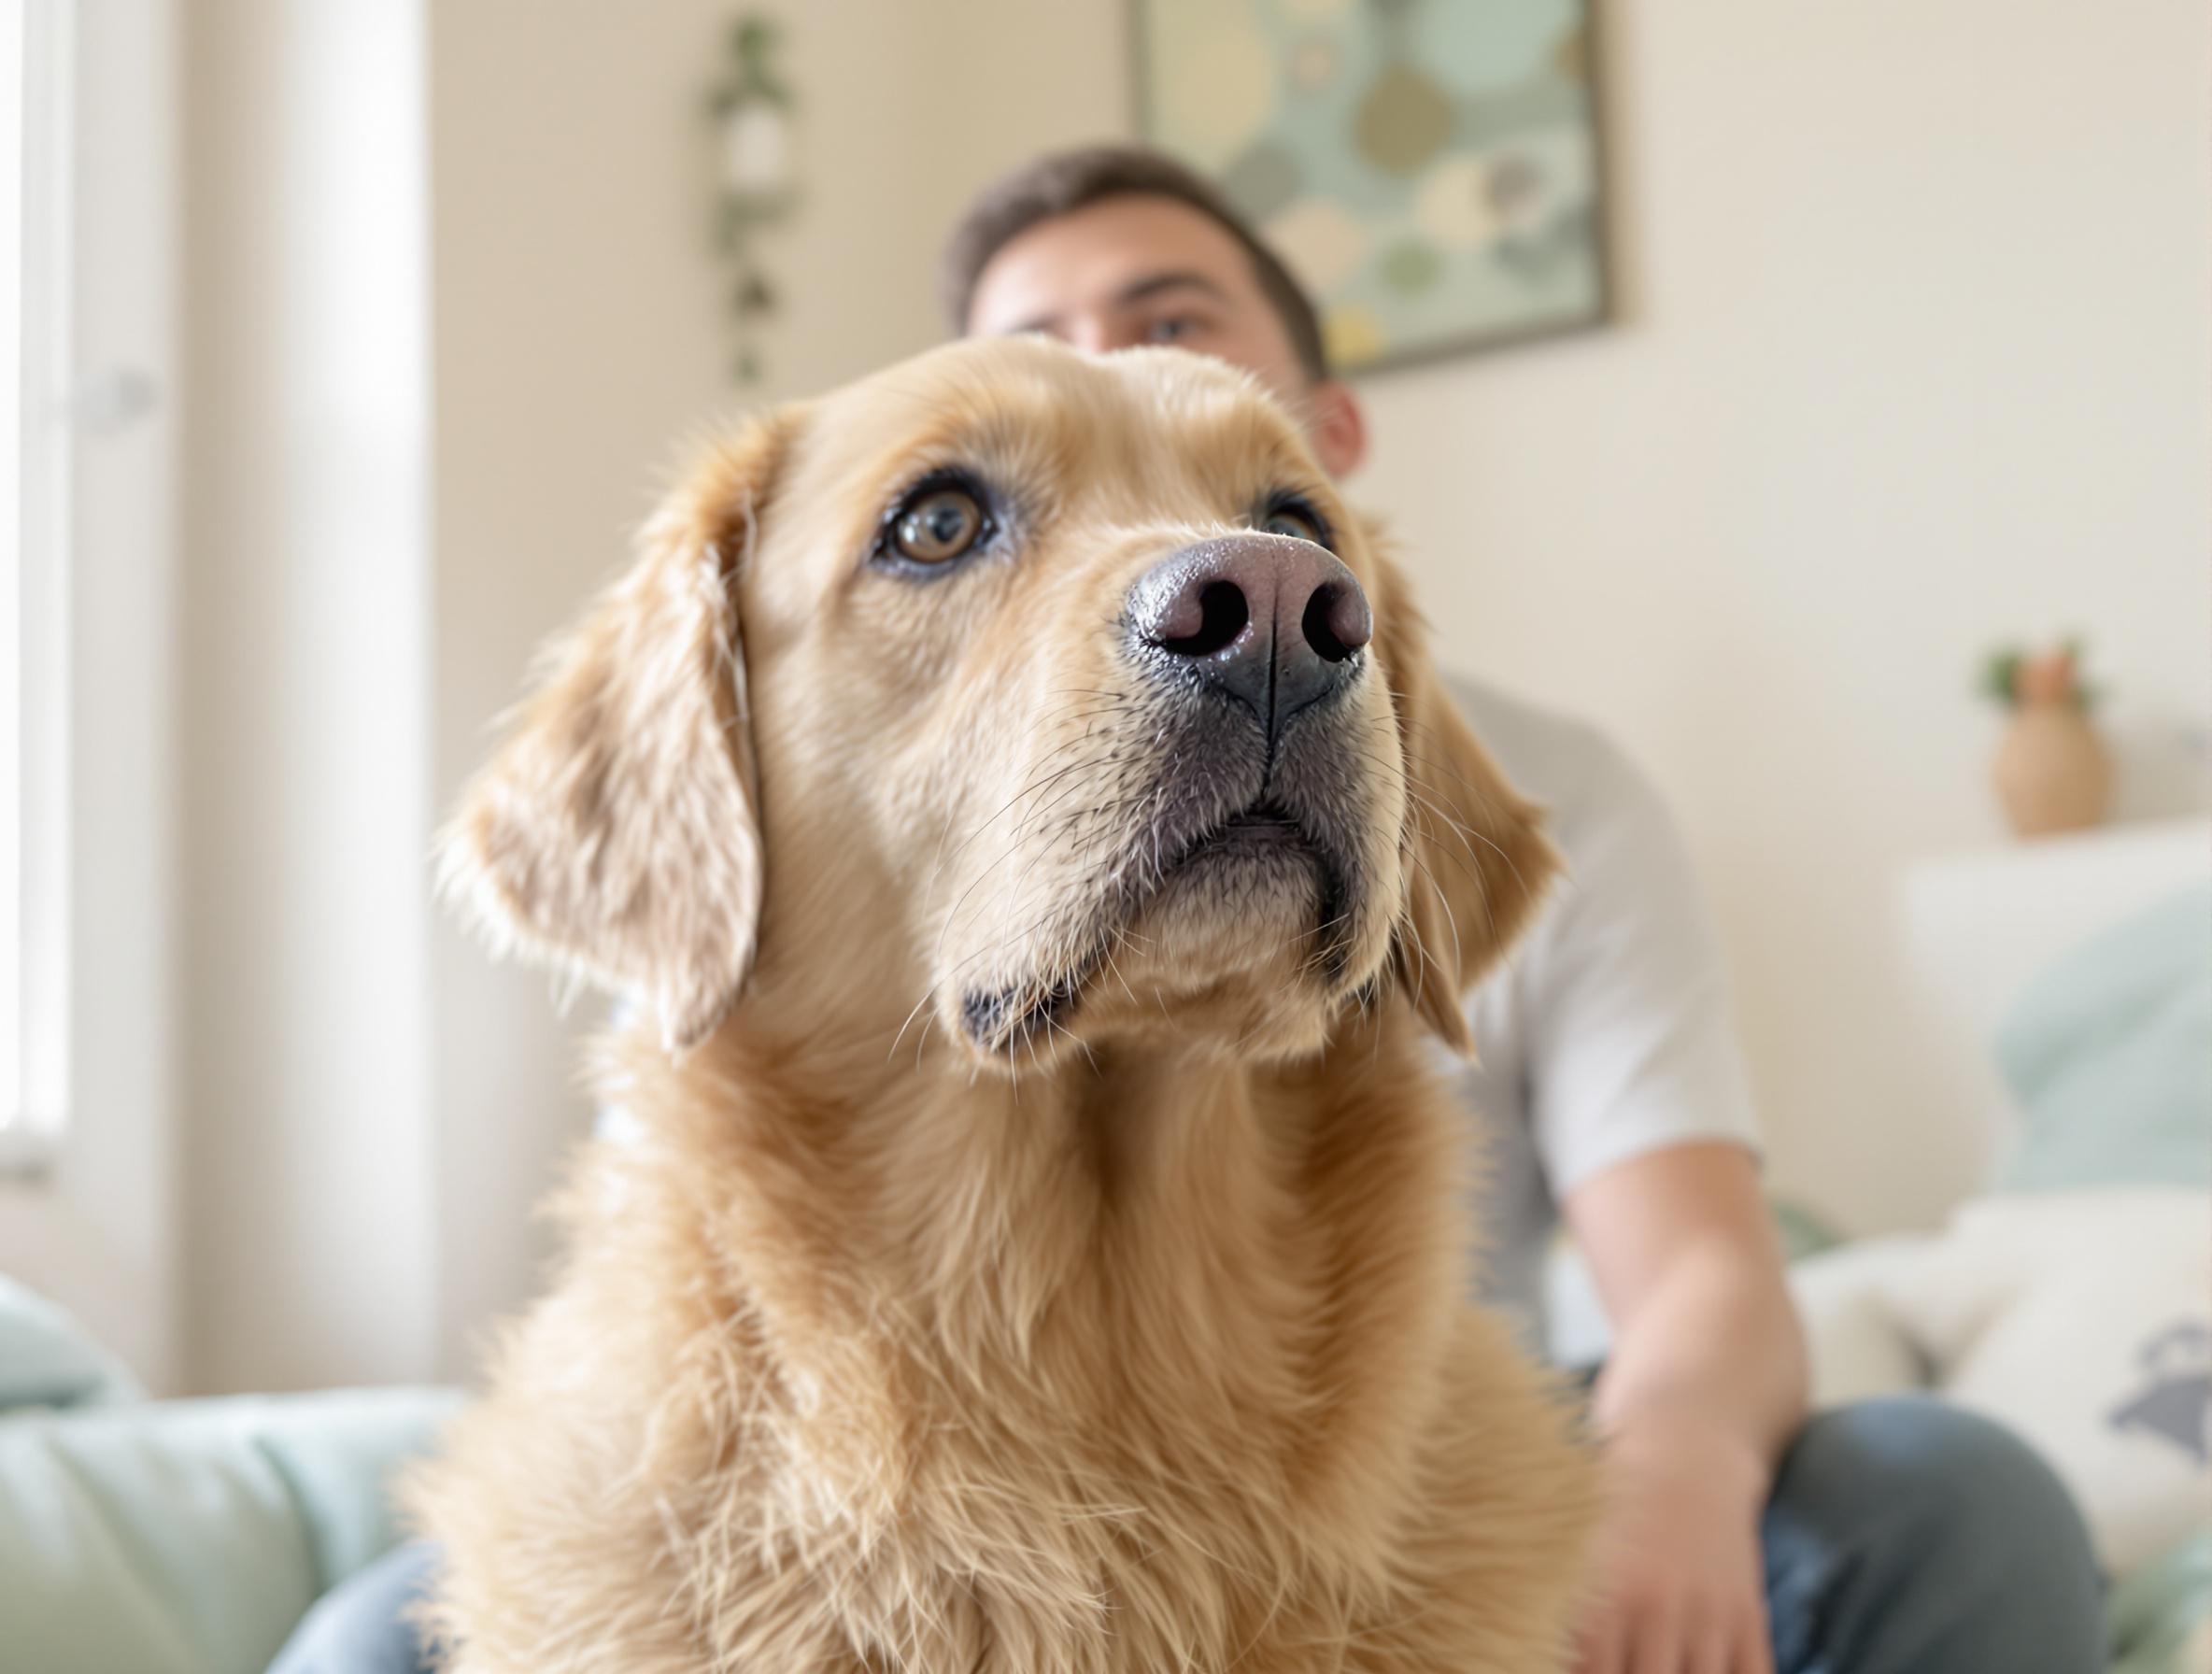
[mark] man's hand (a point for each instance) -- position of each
(1704, 1389)
(1677, 1572)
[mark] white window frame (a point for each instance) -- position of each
(37, 162)
(88, 1177)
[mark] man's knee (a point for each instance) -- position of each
(1944, 1525)
(1915, 1468)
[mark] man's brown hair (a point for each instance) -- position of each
(1066, 181)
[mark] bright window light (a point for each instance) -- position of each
(34, 434)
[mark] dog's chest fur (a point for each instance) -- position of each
(1087, 1382)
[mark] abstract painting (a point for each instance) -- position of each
(1428, 168)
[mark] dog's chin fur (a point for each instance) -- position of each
(1252, 933)
(1230, 954)
(1123, 1335)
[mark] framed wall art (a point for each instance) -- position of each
(1430, 168)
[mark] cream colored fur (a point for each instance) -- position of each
(1141, 1347)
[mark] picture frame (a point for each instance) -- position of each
(1433, 170)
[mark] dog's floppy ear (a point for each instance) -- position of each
(1477, 862)
(613, 834)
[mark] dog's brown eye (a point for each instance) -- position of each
(939, 527)
(1298, 521)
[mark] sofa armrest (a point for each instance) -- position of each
(188, 1537)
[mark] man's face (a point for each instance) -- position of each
(1138, 270)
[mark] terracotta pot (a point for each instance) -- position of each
(2052, 774)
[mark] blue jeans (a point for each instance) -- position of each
(1904, 1537)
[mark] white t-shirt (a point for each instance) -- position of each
(1605, 1035)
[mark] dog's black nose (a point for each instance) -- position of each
(1270, 620)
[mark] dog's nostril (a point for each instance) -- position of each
(1335, 623)
(1222, 616)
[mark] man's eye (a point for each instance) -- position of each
(1173, 329)
(1296, 519)
(938, 526)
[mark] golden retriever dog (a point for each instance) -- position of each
(1017, 794)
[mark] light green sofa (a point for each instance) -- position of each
(177, 1537)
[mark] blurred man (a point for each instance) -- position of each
(1892, 1536)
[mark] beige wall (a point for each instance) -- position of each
(1914, 356)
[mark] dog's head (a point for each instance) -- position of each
(1047, 698)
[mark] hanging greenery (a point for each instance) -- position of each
(755, 133)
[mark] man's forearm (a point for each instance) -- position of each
(1713, 1349)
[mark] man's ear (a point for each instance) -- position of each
(1337, 427)
(1477, 862)
(613, 834)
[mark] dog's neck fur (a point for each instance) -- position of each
(1241, 1268)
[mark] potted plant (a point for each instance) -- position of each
(2052, 773)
